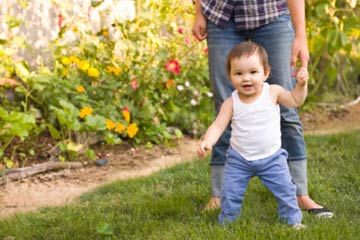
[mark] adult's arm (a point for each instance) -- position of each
(299, 49)
(199, 26)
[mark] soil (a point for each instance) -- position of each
(125, 162)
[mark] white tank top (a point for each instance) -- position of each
(255, 130)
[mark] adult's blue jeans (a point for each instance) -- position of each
(273, 173)
(276, 38)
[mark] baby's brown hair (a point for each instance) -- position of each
(246, 49)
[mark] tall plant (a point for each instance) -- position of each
(333, 32)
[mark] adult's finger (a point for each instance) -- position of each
(294, 57)
(304, 60)
(199, 34)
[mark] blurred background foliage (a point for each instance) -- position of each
(131, 71)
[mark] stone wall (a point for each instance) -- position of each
(41, 20)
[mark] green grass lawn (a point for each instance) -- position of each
(167, 205)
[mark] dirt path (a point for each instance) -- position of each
(57, 188)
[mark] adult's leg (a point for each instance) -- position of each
(237, 174)
(275, 175)
(220, 41)
(277, 38)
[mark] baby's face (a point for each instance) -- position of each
(247, 76)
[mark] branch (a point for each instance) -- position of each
(20, 173)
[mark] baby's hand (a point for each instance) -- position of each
(302, 76)
(203, 147)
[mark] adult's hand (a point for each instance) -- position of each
(300, 52)
(199, 27)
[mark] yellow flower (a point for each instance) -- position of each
(105, 33)
(119, 128)
(132, 130)
(115, 70)
(110, 124)
(86, 111)
(64, 72)
(65, 60)
(84, 65)
(80, 89)
(126, 115)
(93, 72)
(74, 59)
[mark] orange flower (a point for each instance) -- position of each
(126, 114)
(114, 70)
(105, 33)
(80, 89)
(132, 130)
(119, 128)
(170, 83)
(110, 124)
(86, 111)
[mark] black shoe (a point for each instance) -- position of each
(321, 212)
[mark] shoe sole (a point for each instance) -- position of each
(325, 215)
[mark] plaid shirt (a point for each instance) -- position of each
(248, 14)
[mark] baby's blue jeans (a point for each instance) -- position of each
(273, 173)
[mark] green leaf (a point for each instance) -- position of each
(344, 39)
(96, 3)
(3, 41)
(12, 22)
(71, 146)
(178, 133)
(331, 74)
(111, 139)
(95, 122)
(148, 145)
(53, 132)
(8, 163)
(22, 71)
(17, 123)
(63, 147)
(104, 229)
(90, 154)
(32, 152)
(321, 9)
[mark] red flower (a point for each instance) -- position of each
(134, 84)
(206, 51)
(187, 41)
(60, 20)
(173, 66)
(180, 30)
